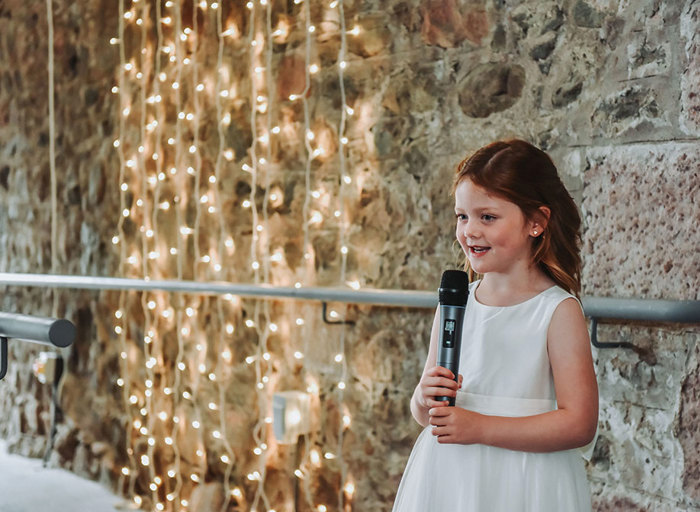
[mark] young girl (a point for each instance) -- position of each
(526, 397)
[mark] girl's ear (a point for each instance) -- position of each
(539, 221)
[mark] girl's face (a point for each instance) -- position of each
(493, 232)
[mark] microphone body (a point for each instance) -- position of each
(453, 292)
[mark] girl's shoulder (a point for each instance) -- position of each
(556, 295)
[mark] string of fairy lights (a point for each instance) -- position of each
(225, 244)
(176, 352)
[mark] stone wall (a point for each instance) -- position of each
(607, 87)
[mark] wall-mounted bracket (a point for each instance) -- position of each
(599, 344)
(334, 322)
(3, 357)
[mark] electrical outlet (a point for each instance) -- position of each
(45, 367)
(290, 412)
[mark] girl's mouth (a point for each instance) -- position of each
(478, 250)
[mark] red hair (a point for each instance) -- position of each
(525, 175)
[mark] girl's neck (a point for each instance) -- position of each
(506, 289)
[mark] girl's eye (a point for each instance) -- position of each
(487, 217)
(461, 216)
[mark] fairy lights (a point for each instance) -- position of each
(176, 353)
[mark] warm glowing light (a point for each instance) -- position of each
(315, 457)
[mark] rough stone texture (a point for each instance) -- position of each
(608, 87)
(642, 197)
(690, 99)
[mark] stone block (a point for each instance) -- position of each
(491, 88)
(690, 76)
(448, 24)
(640, 232)
(688, 425)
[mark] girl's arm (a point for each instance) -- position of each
(572, 425)
(433, 381)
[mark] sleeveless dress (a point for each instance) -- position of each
(506, 372)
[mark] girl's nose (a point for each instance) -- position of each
(469, 230)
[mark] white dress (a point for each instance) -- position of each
(506, 372)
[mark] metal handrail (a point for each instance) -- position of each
(56, 332)
(683, 311)
(416, 299)
(653, 310)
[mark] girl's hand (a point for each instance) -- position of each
(437, 381)
(455, 425)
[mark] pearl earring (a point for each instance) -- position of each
(534, 232)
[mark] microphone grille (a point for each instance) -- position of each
(454, 288)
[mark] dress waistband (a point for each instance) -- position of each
(504, 405)
(513, 407)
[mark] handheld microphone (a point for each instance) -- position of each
(453, 293)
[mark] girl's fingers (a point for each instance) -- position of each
(441, 370)
(441, 432)
(438, 412)
(438, 421)
(441, 382)
(430, 392)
